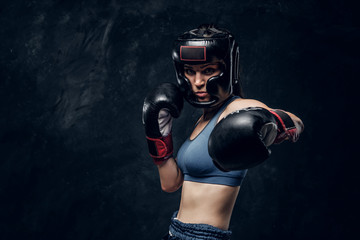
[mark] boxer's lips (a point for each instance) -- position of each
(201, 94)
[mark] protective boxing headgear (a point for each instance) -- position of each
(200, 46)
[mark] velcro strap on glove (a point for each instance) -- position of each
(160, 149)
(286, 127)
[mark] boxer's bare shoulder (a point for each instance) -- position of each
(240, 104)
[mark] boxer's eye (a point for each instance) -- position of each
(189, 72)
(209, 71)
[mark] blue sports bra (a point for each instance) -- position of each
(196, 164)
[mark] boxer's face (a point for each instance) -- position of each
(198, 76)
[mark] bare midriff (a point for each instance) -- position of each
(207, 203)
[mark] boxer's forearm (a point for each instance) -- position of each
(171, 177)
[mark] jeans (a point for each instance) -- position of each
(189, 231)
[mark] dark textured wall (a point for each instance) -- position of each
(73, 76)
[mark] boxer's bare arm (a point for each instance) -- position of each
(171, 177)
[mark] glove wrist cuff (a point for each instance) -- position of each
(286, 127)
(160, 149)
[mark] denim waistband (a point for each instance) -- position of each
(191, 231)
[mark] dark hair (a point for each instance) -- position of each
(209, 31)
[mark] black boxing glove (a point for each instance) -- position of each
(241, 139)
(160, 106)
(287, 129)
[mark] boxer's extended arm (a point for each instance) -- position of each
(248, 127)
(285, 123)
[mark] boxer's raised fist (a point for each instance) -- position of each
(161, 105)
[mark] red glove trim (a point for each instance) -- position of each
(161, 149)
(286, 127)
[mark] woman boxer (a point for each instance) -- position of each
(232, 134)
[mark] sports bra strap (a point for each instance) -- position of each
(222, 108)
